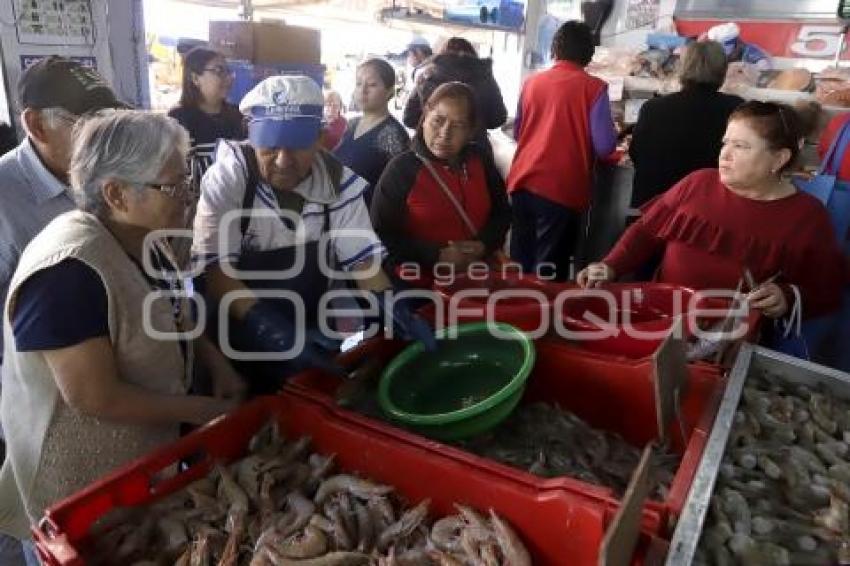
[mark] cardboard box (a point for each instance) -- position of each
(266, 43)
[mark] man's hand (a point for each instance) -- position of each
(406, 323)
(267, 330)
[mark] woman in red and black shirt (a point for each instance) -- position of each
(442, 202)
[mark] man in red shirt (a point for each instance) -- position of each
(563, 124)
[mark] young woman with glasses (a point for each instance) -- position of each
(203, 109)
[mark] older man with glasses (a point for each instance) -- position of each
(34, 176)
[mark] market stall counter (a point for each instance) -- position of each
(772, 486)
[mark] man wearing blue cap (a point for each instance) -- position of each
(293, 198)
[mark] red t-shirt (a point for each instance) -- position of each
(554, 156)
(709, 235)
(825, 141)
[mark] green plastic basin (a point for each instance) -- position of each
(468, 386)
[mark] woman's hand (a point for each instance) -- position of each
(770, 300)
(472, 249)
(453, 255)
(226, 382)
(595, 275)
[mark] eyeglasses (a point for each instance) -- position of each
(219, 70)
(186, 188)
(438, 122)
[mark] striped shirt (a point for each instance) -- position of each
(30, 197)
(217, 235)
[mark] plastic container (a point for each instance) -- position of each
(523, 301)
(468, 386)
(632, 319)
(554, 523)
(609, 393)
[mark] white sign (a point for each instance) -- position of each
(817, 41)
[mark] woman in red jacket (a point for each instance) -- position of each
(443, 202)
(716, 223)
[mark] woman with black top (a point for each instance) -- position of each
(203, 109)
(682, 132)
(372, 140)
(458, 61)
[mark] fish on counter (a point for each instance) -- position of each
(548, 441)
(282, 505)
(783, 492)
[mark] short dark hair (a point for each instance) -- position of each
(573, 42)
(459, 46)
(194, 62)
(420, 50)
(777, 124)
(457, 91)
(386, 72)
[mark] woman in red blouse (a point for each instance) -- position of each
(716, 223)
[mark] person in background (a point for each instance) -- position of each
(203, 108)
(418, 50)
(729, 36)
(296, 189)
(563, 125)
(443, 201)
(833, 127)
(87, 386)
(8, 139)
(335, 122)
(681, 132)
(371, 140)
(716, 223)
(458, 61)
(53, 93)
(839, 357)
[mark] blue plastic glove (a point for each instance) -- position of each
(267, 330)
(406, 324)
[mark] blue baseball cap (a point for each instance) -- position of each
(284, 111)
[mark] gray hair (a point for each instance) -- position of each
(703, 64)
(51, 118)
(55, 115)
(131, 146)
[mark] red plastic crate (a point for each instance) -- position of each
(611, 394)
(557, 525)
(524, 312)
(652, 313)
(650, 307)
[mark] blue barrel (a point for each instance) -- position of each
(247, 75)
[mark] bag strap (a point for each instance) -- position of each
(457, 206)
(836, 152)
(252, 178)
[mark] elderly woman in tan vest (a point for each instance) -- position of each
(97, 367)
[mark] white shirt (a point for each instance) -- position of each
(215, 239)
